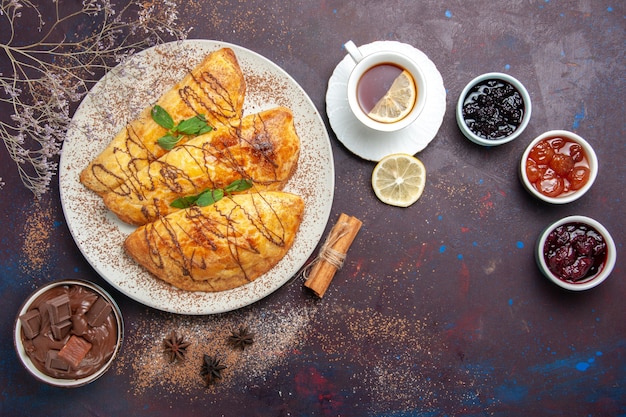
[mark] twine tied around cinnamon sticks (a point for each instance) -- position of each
(321, 271)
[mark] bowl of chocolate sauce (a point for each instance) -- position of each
(68, 333)
(576, 253)
(493, 109)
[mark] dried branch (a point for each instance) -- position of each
(45, 79)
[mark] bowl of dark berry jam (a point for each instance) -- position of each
(576, 253)
(493, 109)
(558, 167)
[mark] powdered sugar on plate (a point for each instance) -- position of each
(117, 99)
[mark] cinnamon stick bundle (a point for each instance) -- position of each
(332, 254)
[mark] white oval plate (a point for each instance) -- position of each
(374, 145)
(117, 99)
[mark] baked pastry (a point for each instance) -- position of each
(264, 149)
(221, 246)
(215, 89)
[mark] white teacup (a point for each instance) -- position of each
(363, 64)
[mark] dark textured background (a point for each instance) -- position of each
(439, 309)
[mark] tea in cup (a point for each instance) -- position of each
(386, 89)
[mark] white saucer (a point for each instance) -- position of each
(374, 145)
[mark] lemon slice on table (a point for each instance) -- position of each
(399, 179)
(397, 102)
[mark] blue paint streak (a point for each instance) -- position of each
(440, 217)
(448, 14)
(609, 9)
(510, 301)
(442, 248)
(459, 256)
(582, 366)
(507, 67)
(520, 245)
(578, 117)
(510, 392)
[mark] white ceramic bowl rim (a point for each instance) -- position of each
(25, 359)
(488, 76)
(590, 282)
(591, 157)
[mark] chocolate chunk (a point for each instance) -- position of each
(59, 308)
(54, 363)
(31, 323)
(75, 350)
(98, 312)
(60, 330)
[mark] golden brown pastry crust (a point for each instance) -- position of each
(264, 149)
(222, 246)
(215, 88)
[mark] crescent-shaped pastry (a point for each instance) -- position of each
(263, 149)
(215, 89)
(221, 246)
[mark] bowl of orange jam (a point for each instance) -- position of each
(558, 167)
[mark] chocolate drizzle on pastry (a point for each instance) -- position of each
(215, 88)
(221, 246)
(263, 149)
(239, 236)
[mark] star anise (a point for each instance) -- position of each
(242, 338)
(212, 368)
(175, 347)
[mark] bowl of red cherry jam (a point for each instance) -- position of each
(558, 167)
(576, 253)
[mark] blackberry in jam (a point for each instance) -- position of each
(493, 109)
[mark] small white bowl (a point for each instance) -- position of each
(481, 79)
(60, 382)
(587, 283)
(568, 198)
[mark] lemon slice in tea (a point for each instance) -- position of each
(397, 102)
(399, 179)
